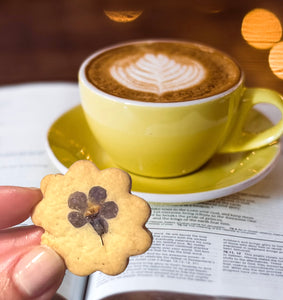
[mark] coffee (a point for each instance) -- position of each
(162, 71)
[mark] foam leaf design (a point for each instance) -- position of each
(157, 74)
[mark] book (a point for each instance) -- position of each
(230, 247)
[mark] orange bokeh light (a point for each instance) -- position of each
(123, 16)
(261, 28)
(276, 60)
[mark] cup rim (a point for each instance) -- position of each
(82, 77)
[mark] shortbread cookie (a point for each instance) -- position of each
(91, 218)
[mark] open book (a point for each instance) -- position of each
(230, 247)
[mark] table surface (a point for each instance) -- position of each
(47, 40)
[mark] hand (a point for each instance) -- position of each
(27, 269)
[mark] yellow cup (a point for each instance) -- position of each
(174, 139)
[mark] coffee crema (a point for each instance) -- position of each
(162, 71)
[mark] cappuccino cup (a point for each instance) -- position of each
(163, 108)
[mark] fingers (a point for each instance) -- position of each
(19, 237)
(27, 270)
(39, 273)
(33, 273)
(15, 242)
(16, 204)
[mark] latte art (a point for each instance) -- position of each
(157, 74)
(162, 71)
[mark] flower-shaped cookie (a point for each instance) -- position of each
(91, 219)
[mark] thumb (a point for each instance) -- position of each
(38, 273)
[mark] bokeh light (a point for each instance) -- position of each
(276, 60)
(261, 28)
(123, 16)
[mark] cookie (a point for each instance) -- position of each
(91, 219)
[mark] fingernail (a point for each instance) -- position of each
(37, 270)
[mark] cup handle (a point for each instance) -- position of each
(240, 140)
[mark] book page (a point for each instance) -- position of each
(231, 246)
(26, 112)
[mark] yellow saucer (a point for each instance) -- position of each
(69, 139)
